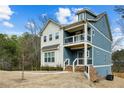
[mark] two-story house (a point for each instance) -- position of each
(82, 43)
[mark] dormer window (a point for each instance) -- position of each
(57, 36)
(45, 38)
(50, 37)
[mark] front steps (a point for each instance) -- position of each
(77, 68)
(69, 68)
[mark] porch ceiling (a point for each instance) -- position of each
(79, 46)
(74, 27)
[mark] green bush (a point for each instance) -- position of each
(47, 68)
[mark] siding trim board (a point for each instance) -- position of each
(100, 32)
(100, 48)
(96, 66)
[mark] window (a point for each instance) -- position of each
(49, 57)
(89, 30)
(57, 36)
(45, 56)
(53, 57)
(88, 53)
(45, 38)
(50, 37)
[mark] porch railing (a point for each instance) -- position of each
(78, 61)
(76, 39)
(66, 62)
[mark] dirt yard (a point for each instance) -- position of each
(39, 79)
(119, 74)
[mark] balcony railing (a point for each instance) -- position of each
(76, 39)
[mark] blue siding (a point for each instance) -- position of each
(102, 26)
(101, 57)
(100, 41)
(103, 71)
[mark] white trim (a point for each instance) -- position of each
(100, 32)
(92, 55)
(96, 66)
(100, 48)
(85, 45)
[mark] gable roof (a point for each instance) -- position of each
(46, 24)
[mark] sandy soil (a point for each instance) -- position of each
(39, 79)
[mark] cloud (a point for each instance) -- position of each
(67, 15)
(30, 25)
(118, 30)
(118, 39)
(5, 16)
(8, 24)
(63, 14)
(5, 12)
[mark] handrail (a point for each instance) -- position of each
(66, 60)
(77, 60)
(74, 64)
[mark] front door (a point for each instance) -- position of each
(80, 56)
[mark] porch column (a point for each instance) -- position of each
(85, 54)
(85, 44)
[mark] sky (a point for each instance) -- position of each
(14, 18)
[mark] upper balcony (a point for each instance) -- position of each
(76, 39)
(76, 34)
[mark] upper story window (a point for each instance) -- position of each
(50, 37)
(57, 36)
(45, 38)
(81, 17)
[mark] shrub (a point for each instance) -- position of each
(47, 68)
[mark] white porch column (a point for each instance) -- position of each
(85, 44)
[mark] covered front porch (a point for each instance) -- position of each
(78, 57)
(77, 53)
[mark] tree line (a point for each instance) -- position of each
(14, 49)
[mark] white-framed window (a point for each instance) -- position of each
(49, 57)
(57, 35)
(50, 37)
(45, 38)
(45, 57)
